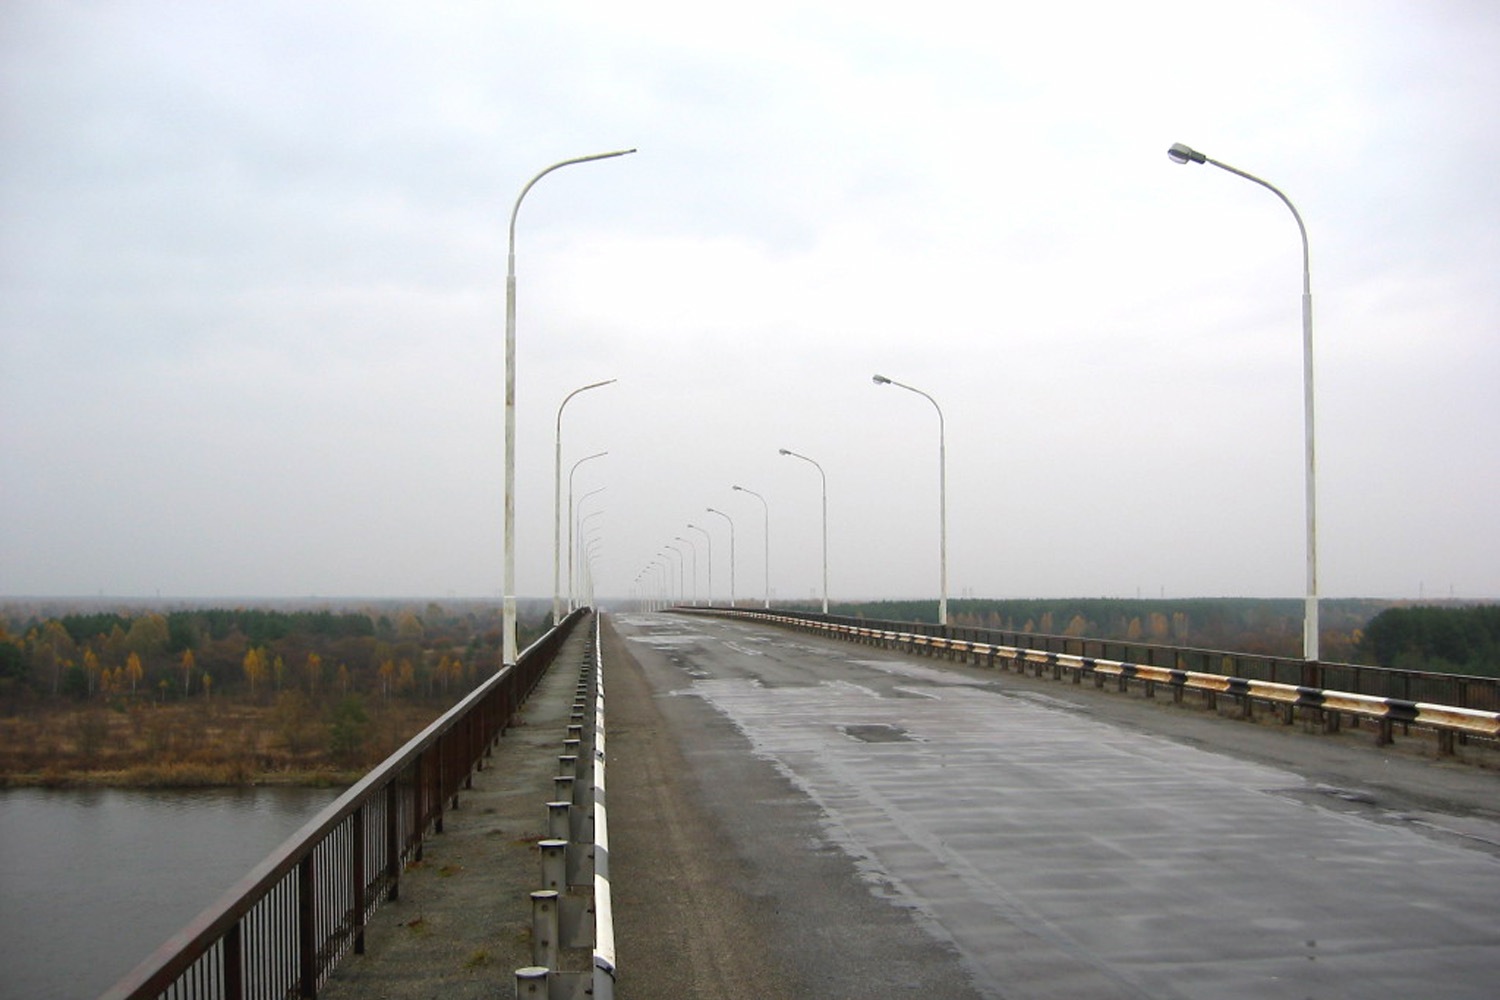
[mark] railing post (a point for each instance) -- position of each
(307, 947)
(357, 877)
(234, 963)
(392, 841)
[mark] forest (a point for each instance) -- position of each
(232, 695)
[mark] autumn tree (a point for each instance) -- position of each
(406, 678)
(134, 670)
(148, 634)
(387, 675)
(91, 669)
(188, 662)
(314, 673)
(255, 667)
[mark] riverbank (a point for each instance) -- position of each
(180, 776)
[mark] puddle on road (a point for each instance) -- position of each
(877, 733)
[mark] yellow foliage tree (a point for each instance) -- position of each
(91, 668)
(314, 672)
(387, 674)
(134, 671)
(255, 667)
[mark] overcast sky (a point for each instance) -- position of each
(253, 261)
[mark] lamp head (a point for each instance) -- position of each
(880, 380)
(1185, 154)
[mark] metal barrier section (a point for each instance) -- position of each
(1431, 687)
(283, 928)
(572, 920)
(1449, 722)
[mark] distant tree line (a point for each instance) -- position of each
(1447, 639)
(254, 653)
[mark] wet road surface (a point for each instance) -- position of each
(898, 827)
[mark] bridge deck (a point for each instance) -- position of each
(728, 882)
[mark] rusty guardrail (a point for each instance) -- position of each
(281, 930)
(1449, 722)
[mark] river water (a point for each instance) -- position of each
(92, 881)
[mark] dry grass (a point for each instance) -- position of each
(204, 743)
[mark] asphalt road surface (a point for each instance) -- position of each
(793, 816)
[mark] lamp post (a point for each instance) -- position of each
(571, 473)
(694, 548)
(557, 501)
(681, 566)
(824, 477)
(581, 561)
(508, 612)
(587, 572)
(942, 495)
(726, 517)
(709, 546)
(1186, 154)
(767, 536)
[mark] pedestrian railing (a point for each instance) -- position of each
(282, 929)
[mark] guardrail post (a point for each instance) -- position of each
(554, 864)
(544, 928)
(559, 821)
(531, 982)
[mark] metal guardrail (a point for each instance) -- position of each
(572, 916)
(1457, 690)
(1450, 722)
(281, 930)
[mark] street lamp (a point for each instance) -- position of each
(690, 544)
(709, 559)
(557, 502)
(571, 473)
(681, 565)
(942, 496)
(1186, 154)
(767, 536)
(670, 565)
(824, 476)
(726, 517)
(508, 613)
(579, 562)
